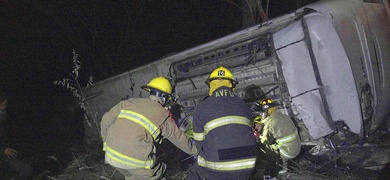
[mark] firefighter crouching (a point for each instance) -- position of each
(278, 135)
(133, 127)
(222, 130)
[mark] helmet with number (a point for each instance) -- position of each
(159, 83)
(221, 73)
(264, 105)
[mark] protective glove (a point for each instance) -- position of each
(256, 134)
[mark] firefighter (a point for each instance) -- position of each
(222, 130)
(131, 129)
(278, 136)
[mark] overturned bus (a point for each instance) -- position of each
(327, 64)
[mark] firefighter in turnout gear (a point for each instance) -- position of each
(131, 129)
(222, 130)
(278, 136)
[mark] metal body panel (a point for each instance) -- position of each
(363, 28)
(377, 58)
(335, 71)
(300, 78)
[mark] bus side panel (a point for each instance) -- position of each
(300, 79)
(335, 71)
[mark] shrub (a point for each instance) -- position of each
(75, 87)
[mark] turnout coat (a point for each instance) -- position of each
(131, 128)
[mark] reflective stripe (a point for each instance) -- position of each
(221, 122)
(198, 136)
(126, 160)
(229, 165)
(104, 146)
(104, 143)
(141, 120)
(285, 154)
(288, 138)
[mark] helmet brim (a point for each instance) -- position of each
(234, 82)
(146, 88)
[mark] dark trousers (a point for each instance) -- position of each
(21, 168)
(268, 163)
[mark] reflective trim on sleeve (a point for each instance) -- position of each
(198, 136)
(141, 120)
(228, 165)
(222, 121)
(288, 138)
(104, 146)
(128, 161)
(285, 154)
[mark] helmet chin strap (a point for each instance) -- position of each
(267, 112)
(162, 98)
(264, 115)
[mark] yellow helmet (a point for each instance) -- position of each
(257, 120)
(159, 83)
(221, 73)
(264, 105)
